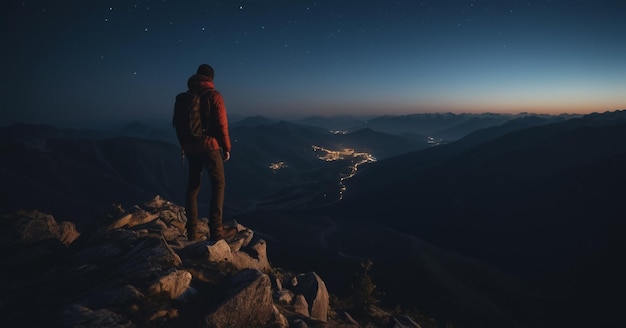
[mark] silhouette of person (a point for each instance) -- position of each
(210, 153)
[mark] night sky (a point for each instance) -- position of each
(71, 62)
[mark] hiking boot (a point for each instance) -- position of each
(223, 233)
(197, 237)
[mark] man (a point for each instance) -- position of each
(210, 153)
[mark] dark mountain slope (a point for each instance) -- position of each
(334, 123)
(537, 197)
(395, 168)
(535, 202)
(411, 273)
(439, 125)
(252, 121)
(70, 177)
(472, 124)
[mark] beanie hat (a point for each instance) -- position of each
(206, 70)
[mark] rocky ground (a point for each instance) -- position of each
(136, 268)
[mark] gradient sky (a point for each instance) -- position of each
(70, 62)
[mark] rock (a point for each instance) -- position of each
(300, 306)
(242, 239)
(146, 256)
(314, 290)
(218, 252)
(123, 221)
(173, 218)
(280, 321)
(249, 302)
(155, 204)
(255, 258)
(137, 268)
(32, 242)
(28, 227)
(137, 217)
(285, 296)
(174, 284)
(68, 232)
(278, 285)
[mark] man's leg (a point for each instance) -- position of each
(215, 166)
(193, 188)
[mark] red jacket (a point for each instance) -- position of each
(217, 130)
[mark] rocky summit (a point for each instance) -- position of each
(136, 268)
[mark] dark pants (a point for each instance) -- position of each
(214, 164)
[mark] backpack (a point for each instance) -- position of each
(190, 118)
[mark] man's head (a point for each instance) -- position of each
(206, 70)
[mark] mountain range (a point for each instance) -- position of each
(511, 220)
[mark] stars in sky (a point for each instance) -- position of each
(285, 56)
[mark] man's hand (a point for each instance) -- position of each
(226, 156)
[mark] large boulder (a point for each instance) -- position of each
(173, 284)
(29, 227)
(248, 304)
(313, 288)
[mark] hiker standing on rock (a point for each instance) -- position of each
(209, 149)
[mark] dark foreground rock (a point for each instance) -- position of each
(136, 268)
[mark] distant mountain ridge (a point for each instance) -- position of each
(446, 126)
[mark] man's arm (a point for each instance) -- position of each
(223, 136)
